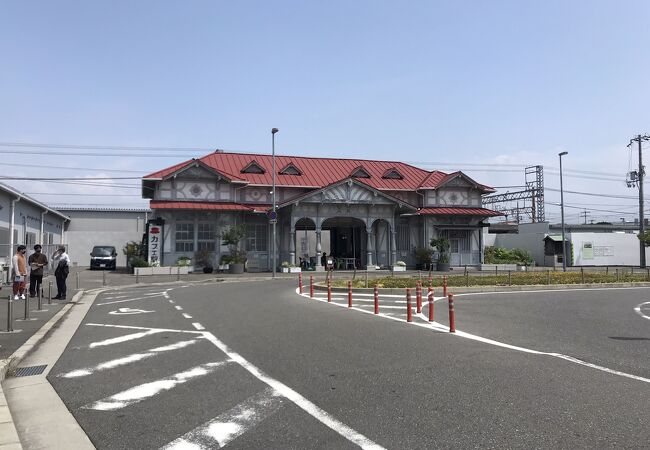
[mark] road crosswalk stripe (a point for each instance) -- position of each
(135, 357)
(147, 390)
(119, 340)
(226, 427)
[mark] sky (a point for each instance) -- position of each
(483, 87)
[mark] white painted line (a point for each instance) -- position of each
(138, 393)
(171, 301)
(639, 310)
(198, 326)
(135, 357)
(165, 294)
(441, 328)
(130, 327)
(129, 311)
(187, 316)
(180, 308)
(228, 426)
(300, 401)
(129, 300)
(553, 291)
(125, 338)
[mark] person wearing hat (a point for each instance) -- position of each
(19, 272)
(61, 262)
(36, 262)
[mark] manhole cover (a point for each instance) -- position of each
(29, 371)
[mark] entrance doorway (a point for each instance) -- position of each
(348, 241)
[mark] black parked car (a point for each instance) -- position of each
(103, 257)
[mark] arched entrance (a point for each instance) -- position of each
(381, 243)
(348, 241)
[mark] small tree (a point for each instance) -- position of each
(133, 250)
(232, 237)
(442, 245)
(645, 238)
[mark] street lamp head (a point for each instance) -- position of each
(563, 153)
(274, 130)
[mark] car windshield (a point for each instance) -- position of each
(102, 251)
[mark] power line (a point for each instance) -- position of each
(30, 166)
(106, 147)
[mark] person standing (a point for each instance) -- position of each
(61, 262)
(36, 262)
(19, 272)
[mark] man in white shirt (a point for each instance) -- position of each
(61, 263)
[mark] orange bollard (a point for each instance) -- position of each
(300, 283)
(444, 285)
(311, 286)
(349, 294)
(329, 291)
(452, 314)
(376, 300)
(409, 312)
(418, 297)
(430, 279)
(430, 297)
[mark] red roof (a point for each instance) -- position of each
(459, 212)
(316, 172)
(158, 204)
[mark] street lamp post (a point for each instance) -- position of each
(274, 217)
(562, 212)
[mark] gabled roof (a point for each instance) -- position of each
(290, 169)
(179, 168)
(345, 180)
(359, 172)
(253, 167)
(316, 172)
(459, 211)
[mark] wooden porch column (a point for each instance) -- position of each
(319, 253)
(393, 247)
(292, 246)
(369, 247)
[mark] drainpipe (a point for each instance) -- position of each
(42, 226)
(12, 225)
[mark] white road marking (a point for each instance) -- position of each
(127, 359)
(129, 300)
(639, 310)
(138, 393)
(198, 326)
(125, 338)
(187, 316)
(129, 311)
(441, 328)
(226, 427)
(180, 308)
(171, 301)
(300, 401)
(131, 327)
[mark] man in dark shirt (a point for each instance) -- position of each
(36, 262)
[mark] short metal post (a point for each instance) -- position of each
(178, 273)
(49, 292)
(10, 314)
(548, 277)
(366, 278)
(329, 291)
(452, 314)
(300, 283)
(376, 300)
(510, 278)
(77, 274)
(466, 279)
(418, 298)
(444, 285)
(311, 286)
(40, 300)
(349, 294)
(103, 278)
(26, 307)
(137, 276)
(409, 311)
(617, 274)
(582, 274)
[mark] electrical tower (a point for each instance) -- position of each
(534, 193)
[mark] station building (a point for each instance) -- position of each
(367, 214)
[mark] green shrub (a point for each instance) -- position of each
(139, 262)
(498, 255)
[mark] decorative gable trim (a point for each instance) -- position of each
(291, 169)
(392, 174)
(253, 167)
(359, 172)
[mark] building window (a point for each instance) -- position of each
(403, 238)
(256, 238)
(30, 239)
(184, 237)
(206, 236)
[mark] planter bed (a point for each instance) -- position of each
(165, 270)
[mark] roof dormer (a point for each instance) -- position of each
(360, 172)
(392, 174)
(253, 167)
(290, 169)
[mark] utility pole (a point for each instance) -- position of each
(584, 214)
(636, 178)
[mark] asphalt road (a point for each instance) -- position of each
(254, 365)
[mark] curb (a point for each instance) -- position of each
(9, 434)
